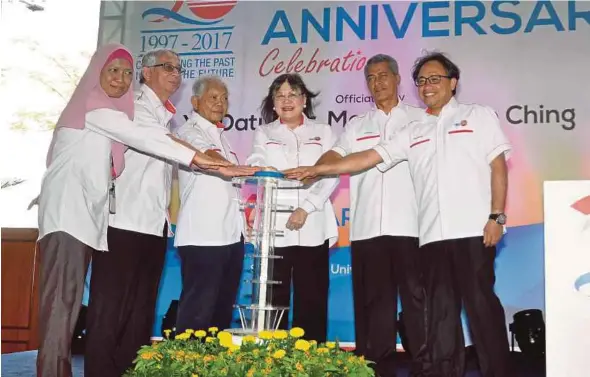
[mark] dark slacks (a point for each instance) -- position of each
(308, 268)
(121, 309)
(456, 272)
(380, 267)
(210, 283)
(64, 263)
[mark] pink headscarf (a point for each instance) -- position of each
(89, 96)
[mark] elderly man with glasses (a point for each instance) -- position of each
(124, 282)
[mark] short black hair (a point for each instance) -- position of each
(296, 82)
(451, 68)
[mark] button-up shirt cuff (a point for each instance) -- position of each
(387, 161)
(502, 148)
(308, 206)
(340, 151)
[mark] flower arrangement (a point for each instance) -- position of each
(273, 354)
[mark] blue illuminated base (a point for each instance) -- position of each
(269, 173)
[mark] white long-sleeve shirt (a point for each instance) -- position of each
(209, 213)
(144, 188)
(74, 190)
(278, 146)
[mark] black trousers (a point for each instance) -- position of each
(309, 270)
(456, 272)
(121, 309)
(380, 267)
(210, 283)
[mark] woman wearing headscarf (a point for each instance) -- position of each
(291, 138)
(85, 155)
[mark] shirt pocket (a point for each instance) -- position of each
(275, 154)
(310, 151)
(366, 141)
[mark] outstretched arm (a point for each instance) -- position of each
(353, 163)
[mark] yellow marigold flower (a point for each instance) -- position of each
(224, 335)
(297, 332)
(280, 334)
(330, 345)
(147, 355)
(189, 331)
(234, 347)
(213, 330)
(279, 354)
(167, 333)
(195, 375)
(268, 360)
(208, 358)
(200, 334)
(251, 372)
(183, 336)
(266, 335)
(322, 350)
(299, 366)
(249, 339)
(302, 345)
(209, 339)
(313, 342)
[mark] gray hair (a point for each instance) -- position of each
(151, 58)
(382, 58)
(200, 84)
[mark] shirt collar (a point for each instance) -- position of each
(451, 105)
(204, 123)
(302, 122)
(155, 101)
(400, 105)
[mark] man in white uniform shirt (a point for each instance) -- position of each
(384, 226)
(457, 158)
(124, 282)
(210, 224)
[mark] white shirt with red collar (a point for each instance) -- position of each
(381, 204)
(209, 213)
(278, 146)
(143, 189)
(449, 158)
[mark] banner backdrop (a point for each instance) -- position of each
(528, 60)
(567, 277)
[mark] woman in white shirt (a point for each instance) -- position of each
(291, 138)
(85, 155)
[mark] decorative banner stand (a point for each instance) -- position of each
(261, 314)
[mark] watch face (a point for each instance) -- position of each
(501, 219)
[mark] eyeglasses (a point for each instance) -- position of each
(169, 68)
(434, 79)
(290, 97)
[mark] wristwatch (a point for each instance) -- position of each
(499, 218)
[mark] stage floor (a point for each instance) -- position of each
(22, 364)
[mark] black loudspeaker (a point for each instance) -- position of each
(169, 320)
(79, 336)
(401, 330)
(528, 329)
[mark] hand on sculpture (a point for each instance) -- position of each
(302, 173)
(297, 219)
(238, 170)
(203, 161)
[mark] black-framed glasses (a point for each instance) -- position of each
(169, 68)
(434, 79)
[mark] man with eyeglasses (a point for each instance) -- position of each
(457, 158)
(124, 281)
(383, 226)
